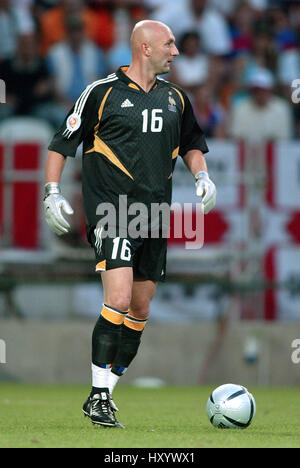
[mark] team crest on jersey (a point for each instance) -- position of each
(172, 103)
(73, 122)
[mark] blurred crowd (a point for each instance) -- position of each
(237, 60)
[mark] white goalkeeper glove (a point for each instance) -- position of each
(206, 189)
(54, 203)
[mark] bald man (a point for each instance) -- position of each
(133, 125)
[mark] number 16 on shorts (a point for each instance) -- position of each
(121, 249)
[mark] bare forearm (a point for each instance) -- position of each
(195, 161)
(55, 164)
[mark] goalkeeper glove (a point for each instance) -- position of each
(54, 203)
(206, 189)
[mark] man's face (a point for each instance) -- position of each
(198, 6)
(27, 47)
(76, 36)
(261, 96)
(163, 51)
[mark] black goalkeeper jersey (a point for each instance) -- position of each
(131, 140)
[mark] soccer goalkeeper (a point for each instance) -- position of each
(133, 125)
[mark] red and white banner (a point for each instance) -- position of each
(279, 212)
(22, 156)
(20, 194)
(282, 266)
(23, 143)
(225, 162)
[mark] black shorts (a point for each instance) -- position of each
(147, 256)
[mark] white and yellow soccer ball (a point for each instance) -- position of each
(231, 406)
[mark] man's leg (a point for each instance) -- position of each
(117, 285)
(132, 328)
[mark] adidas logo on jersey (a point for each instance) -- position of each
(127, 103)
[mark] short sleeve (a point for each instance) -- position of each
(78, 124)
(192, 137)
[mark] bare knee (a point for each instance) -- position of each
(118, 301)
(140, 309)
(117, 286)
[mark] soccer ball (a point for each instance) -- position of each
(231, 406)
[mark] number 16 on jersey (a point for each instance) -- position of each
(156, 120)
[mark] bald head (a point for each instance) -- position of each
(148, 32)
(153, 48)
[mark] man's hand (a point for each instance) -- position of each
(54, 203)
(206, 189)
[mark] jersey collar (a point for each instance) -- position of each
(132, 84)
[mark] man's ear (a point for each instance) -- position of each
(146, 49)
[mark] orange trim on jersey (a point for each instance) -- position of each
(181, 97)
(100, 112)
(101, 147)
(103, 104)
(170, 175)
(134, 86)
(101, 266)
(175, 152)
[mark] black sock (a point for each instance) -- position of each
(105, 342)
(129, 344)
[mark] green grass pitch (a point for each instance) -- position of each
(171, 417)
